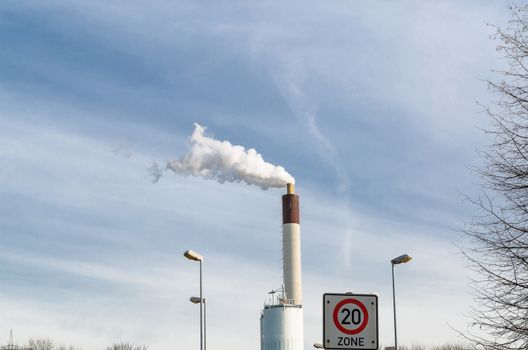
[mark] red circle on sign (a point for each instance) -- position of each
(358, 304)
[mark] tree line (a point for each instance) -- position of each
(48, 344)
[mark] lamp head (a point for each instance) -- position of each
(402, 259)
(196, 300)
(192, 255)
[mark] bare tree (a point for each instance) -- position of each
(498, 251)
(64, 347)
(40, 344)
(47, 344)
(126, 346)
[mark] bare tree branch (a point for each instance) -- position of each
(498, 236)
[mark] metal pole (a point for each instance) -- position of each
(205, 324)
(201, 309)
(394, 305)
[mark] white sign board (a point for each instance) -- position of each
(350, 321)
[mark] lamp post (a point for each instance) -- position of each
(402, 259)
(191, 255)
(196, 300)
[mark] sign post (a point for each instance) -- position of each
(350, 321)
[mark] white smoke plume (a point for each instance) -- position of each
(222, 161)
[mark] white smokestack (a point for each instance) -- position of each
(291, 246)
(281, 321)
(222, 161)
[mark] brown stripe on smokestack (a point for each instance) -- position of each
(290, 206)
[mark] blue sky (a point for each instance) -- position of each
(370, 105)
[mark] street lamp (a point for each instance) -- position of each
(402, 259)
(196, 300)
(318, 346)
(191, 255)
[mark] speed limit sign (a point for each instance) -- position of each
(350, 321)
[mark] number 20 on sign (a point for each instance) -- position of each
(350, 321)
